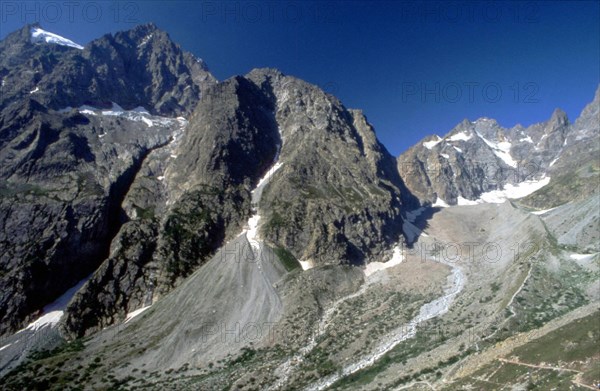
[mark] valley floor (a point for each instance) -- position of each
(485, 299)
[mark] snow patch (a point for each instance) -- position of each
(501, 149)
(267, 177)
(145, 40)
(445, 156)
(462, 136)
(517, 191)
(251, 231)
(582, 257)
(440, 203)
(526, 139)
(510, 192)
(147, 121)
(457, 149)
(541, 212)
(142, 110)
(54, 311)
(116, 110)
(5, 346)
(139, 114)
(135, 313)
(306, 265)
(35, 90)
(395, 260)
(39, 35)
(433, 143)
(465, 202)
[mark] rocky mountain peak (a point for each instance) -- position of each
(559, 119)
(138, 67)
(23, 35)
(482, 157)
(590, 116)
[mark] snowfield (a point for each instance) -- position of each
(54, 311)
(396, 259)
(38, 35)
(501, 150)
(433, 143)
(510, 192)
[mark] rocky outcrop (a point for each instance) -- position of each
(574, 172)
(337, 197)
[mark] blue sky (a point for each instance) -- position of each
(414, 68)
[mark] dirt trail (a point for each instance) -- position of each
(473, 363)
(515, 362)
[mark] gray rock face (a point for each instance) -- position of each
(64, 177)
(142, 202)
(65, 173)
(574, 191)
(337, 197)
(574, 172)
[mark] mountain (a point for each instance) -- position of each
(162, 229)
(65, 172)
(479, 157)
(139, 67)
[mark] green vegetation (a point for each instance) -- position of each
(186, 230)
(145, 213)
(245, 356)
(563, 353)
(287, 259)
(410, 348)
(275, 222)
(44, 369)
(20, 189)
(562, 187)
(576, 341)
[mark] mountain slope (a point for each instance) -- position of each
(65, 172)
(233, 137)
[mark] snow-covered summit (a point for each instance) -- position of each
(39, 35)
